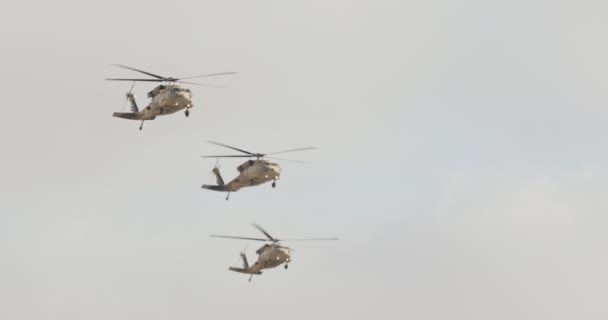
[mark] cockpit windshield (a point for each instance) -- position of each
(176, 90)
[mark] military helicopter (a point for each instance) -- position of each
(270, 255)
(167, 98)
(252, 172)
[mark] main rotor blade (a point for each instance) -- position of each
(229, 156)
(311, 239)
(210, 75)
(288, 160)
(292, 150)
(201, 84)
(229, 147)
(264, 232)
(140, 71)
(235, 237)
(124, 79)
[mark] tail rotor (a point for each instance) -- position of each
(128, 95)
(240, 259)
(216, 169)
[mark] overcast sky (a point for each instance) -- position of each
(461, 159)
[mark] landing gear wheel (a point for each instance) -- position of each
(286, 266)
(274, 185)
(187, 113)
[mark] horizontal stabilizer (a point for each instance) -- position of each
(127, 115)
(214, 188)
(241, 270)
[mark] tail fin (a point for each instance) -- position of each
(218, 177)
(245, 263)
(131, 98)
(245, 268)
(220, 182)
(134, 114)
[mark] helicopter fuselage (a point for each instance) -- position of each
(251, 173)
(269, 256)
(256, 172)
(272, 255)
(167, 99)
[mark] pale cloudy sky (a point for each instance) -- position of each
(462, 159)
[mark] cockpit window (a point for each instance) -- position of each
(176, 90)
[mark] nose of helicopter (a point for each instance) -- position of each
(275, 168)
(286, 254)
(272, 171)
(182, 99)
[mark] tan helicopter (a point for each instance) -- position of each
(252, 172)
(270, 255)
(166, 98)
